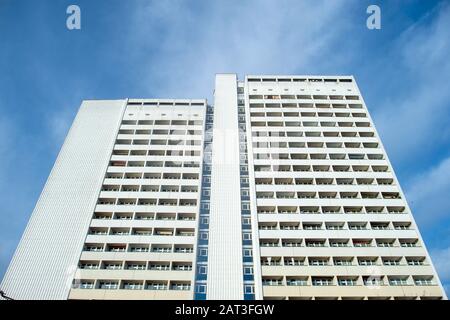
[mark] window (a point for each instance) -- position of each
(367, 261)
(205, 205)
(338, 242)
(202, 269)
(108, 285)
(88, 265)
(318, 261)
(391, 261)
(296, 281)
(138, 248)
(342, 261)
(249, 289)
(161, 249)
(423, 281)
(183, 249)
(415, 261)
(372, 281)
(180, 286)
(248, 270)
(326, 281)
(201, 288)
(204, 220)
(347, 281)
(181, 266)
(272, 282)
(398, 281)
(84, 284)
(132, 285)
(244, 180)
(156, 285)
(135, 266)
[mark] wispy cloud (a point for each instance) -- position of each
(441, 260)
(193, 44)
(428, 194)
(414, 121)
(58, 124)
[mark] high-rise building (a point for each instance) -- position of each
(280, 190)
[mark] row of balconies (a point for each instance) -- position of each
(138, 247)
(329, 168)
(177, 163)
(360, 261)
(381, 280)
(326, 195)
(307, 124)
(270, 209)
(338, 225)
(135, 265)
(123, 152)
(164, 216)
(131, 284)
(307, 110)
(169, 152)
(304, 96)
(175, 144)
(342, 242)
(160, 130)
(304, 104)
(163, 122)
(313, 155)
(152, 175)
(313, 144)
(148, 188)
(141, 231)
(156, 195)
(325, 119)
(323, 191)
(147, 202)
(178, 133)
(163, 131)
(313, 132)
(325, 188)
(174, 139)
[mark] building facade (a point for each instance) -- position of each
(280, 190)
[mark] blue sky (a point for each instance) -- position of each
(174, 48)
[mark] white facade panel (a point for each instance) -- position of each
(46, 258)
(225, 274)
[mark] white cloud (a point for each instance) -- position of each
(7, 152)
(441, 261)
(58, 124)
(428, 194)
(414, 120)
(240, 37)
